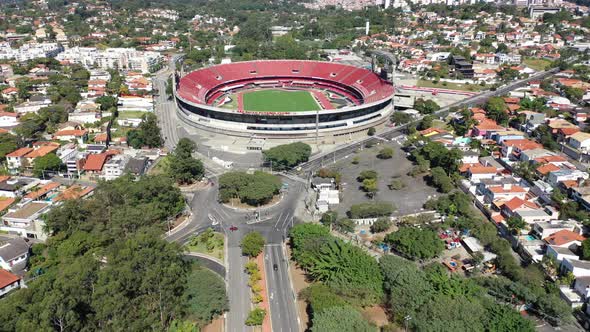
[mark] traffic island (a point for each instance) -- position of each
(259, 317)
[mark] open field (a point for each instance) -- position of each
(131, 114)
(450, 86)
(536, 64)
(279, 101)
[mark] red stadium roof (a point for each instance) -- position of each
(362, 85)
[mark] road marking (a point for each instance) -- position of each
(279, 219)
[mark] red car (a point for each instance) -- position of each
(233, 228)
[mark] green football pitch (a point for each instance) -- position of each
(279, 101)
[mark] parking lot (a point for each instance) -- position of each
(407, 200)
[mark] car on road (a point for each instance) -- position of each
(275, 267)
(233, 228)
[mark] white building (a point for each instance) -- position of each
(111, 58)
(115, 167)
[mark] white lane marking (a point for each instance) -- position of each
(278, 219)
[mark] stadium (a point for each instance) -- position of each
(284, 99)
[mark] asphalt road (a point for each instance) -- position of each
(281, 297)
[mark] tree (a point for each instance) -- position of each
(367, 175)
(252, 244)
(344, 318)
(385, 153)
(148, 133)
(370, 210)
(441, 180)
(407, 287)
(47, 163)
(573, 94)
(415, 243)
(345, 225)
(287, 156)
(183, 167)
(586, 249)
(329, 218)
(204, 296)
(370, 187)
(427, 106)
(8, 143)
(400, 118)
(107, 102)
(256, 317)
(371, 131)
(496, 109)
(425, 123)
(515, 224)
(253, 189)
(321, 297)
(503, 318)
(380, 225)
(396, 184)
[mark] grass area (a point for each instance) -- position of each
(131, 114)
(279, 101)
(450, 86)
(161, 167)
(208, 243)
(536, 64)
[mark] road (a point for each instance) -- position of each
(277, 220)
(281, 297)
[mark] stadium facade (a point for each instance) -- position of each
(350, 99)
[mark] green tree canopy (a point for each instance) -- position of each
(426, 106)
(371, 210)
(287, 156)
(416, 243)
(183, 167)
(48, 163)
(252, 189)
(252, 244)
(344, 318)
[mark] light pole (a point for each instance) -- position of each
(406, 320)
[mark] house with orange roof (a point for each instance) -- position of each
(16, 159)
(479, 172)
(95, 162)
(545, 169)
(505, 193)
(79, 135)
(486, 126)
(8, 282)
(564, 239)
(515, 204)
(43, 191)
(74, 192)
(513, 148)
(10, 93)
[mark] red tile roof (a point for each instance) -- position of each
(70, 132)
(7, 278)
(95, 162)
(483, 170)
(20, 152)
(522, 144)
(517, 203)
(43, 190)
(42, 151)
(547, 168)
(563, 237)
(512, 189)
